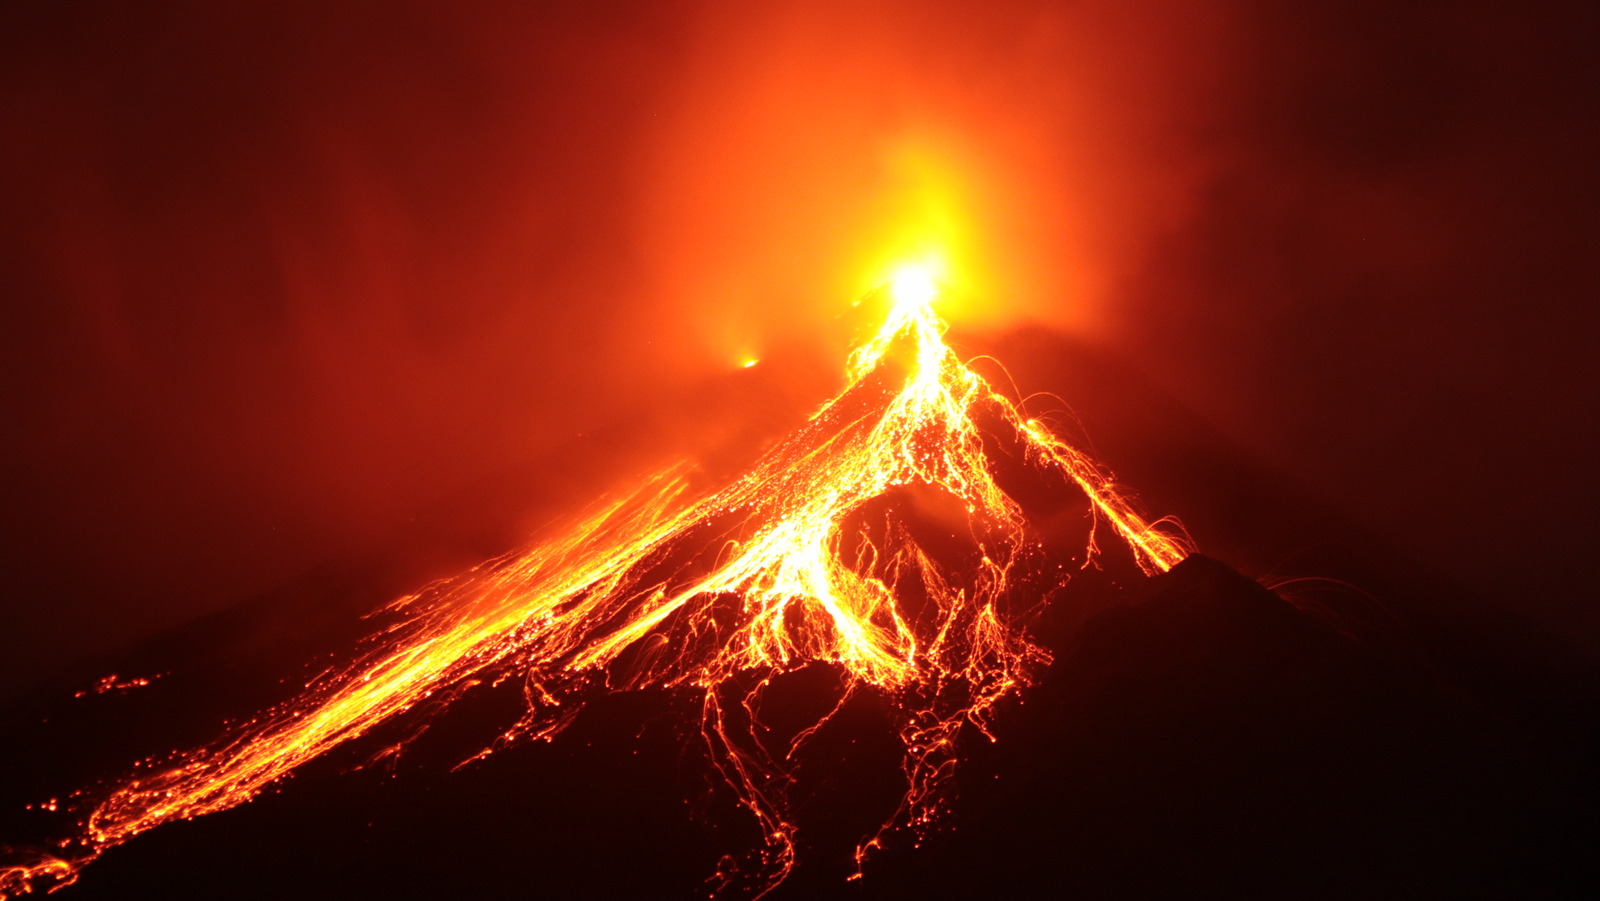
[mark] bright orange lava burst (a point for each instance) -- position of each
(658, 562)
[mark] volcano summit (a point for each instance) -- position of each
(918, 586)
(886, 539)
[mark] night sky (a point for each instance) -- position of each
(280, 278)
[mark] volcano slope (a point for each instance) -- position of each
(806, 558)
(1197, 737)
(1194, 734)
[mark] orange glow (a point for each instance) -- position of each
(808, 148)
(636, 593)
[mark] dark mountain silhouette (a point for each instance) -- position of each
(1197, 735)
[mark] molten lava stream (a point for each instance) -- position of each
(760, 578)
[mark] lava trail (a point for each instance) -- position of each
(661, 585)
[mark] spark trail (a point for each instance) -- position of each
(759, 578)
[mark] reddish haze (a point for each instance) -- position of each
(281, 278)
(806, 151)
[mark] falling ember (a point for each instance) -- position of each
(113, 683)
(753, 580)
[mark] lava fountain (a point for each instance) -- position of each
(664, 585)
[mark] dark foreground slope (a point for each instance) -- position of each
(1199, 738)
(1210, 741)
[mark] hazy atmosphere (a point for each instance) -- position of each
(281, 278)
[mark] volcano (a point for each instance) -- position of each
(923, 647)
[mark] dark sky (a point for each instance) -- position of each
(281, 276)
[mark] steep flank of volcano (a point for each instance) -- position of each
(1193, 733)
(888, 539)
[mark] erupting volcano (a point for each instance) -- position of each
(809, 558)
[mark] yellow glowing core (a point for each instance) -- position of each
(912, 287)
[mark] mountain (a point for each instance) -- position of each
(1163, 728)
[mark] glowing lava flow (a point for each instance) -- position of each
(660, 588)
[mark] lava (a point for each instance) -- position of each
(752, 580)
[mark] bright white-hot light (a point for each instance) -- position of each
(913, 287)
